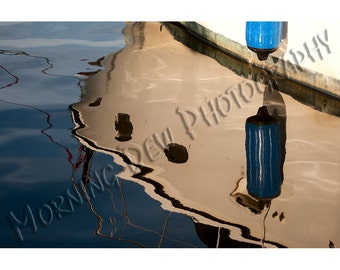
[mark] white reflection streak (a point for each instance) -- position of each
(11, 134)
(264, 225)
(218, 237)
(173, 100)
(318, 174)
(325, 145)
(261, 150)
(164, 230)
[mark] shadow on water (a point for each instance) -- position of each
(273, 100)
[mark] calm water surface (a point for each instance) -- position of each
(40, 157)
(71, 177)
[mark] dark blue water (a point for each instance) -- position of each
(41, 162)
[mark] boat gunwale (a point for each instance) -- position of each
(315, 90)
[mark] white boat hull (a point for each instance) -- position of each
(312, 47)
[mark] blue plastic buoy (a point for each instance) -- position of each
(263, 151)
(263, 37)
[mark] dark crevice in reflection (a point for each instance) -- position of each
(281, 217)
(98, 62)
(176, 153)
(158, 188)
(112, 67)
(88, 73)
(254, 205)
(123, 127)
(85, 177)
(215, 237)
(241, 196)
(96, 102)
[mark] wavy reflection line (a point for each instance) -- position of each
(48, 62)
(124, 213)
(82, 190)
(86, 159)
(164, 229)
(48, 116)
(114, 226)
(16, 79)
(114, 205)
(128, 222)
(43, 131)
(125, 216)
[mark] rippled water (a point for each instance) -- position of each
(86, 113)
(44, 67)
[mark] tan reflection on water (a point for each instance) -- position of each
(174, 94)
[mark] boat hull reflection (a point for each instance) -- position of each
(174, 95)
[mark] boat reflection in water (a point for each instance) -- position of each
(184, 142)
